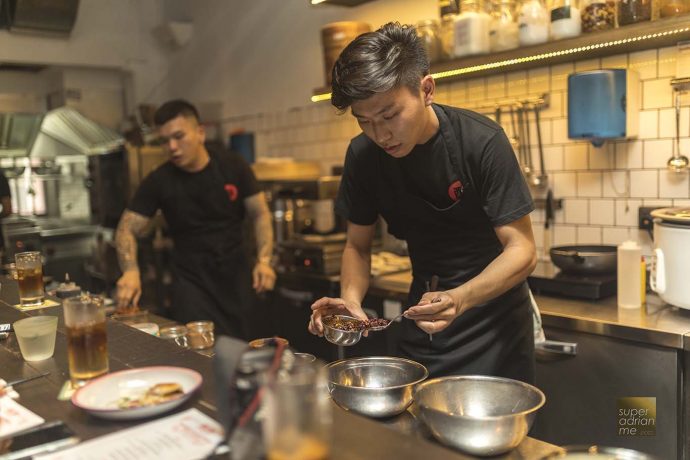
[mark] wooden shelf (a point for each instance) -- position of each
(631, 38)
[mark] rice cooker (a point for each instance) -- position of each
(671, 263)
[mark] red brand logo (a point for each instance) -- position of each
(455, 190)
(232, 191)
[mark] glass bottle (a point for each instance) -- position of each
(598, 15)
(668, 8)
(471, 29)
(533, 23)
(565, 19)
(503, 34)
(429, 34)
(632, 11)
(448, 36)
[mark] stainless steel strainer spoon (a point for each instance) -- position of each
(678, 163)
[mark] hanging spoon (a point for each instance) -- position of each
(678, 163)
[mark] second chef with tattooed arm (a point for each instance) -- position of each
(204, 196)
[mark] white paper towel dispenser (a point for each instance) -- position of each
(603, 104)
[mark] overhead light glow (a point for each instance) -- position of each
(535, 57)
(316, 2)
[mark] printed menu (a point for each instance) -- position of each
(15, 418)
(184, 436)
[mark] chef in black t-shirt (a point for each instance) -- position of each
(204, 196)
(447, 181)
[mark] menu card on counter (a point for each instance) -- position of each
(184, 436)
(14, 417)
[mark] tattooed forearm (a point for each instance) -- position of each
(263, 229)
(131, 225)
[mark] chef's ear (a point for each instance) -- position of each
(428, 88)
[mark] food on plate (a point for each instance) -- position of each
(157, 394)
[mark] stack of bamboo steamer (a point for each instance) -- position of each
(335, 37)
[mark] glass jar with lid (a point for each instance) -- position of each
(471, 29)
(447, 31)
(668, 8)
(429, 34)
(503, 34)
(598, 15)
(565, 19)
(632, 11)
(533, 22)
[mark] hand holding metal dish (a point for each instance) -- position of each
(347, 330)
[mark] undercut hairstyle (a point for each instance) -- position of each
(173, 109)
(378, 61)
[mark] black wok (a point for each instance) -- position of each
(585, 260)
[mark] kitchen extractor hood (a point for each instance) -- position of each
(64, 131)
(17, 133)
(53, 17)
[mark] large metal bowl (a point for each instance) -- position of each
(377, 386)
(478, 415)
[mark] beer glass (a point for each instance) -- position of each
(87, 342)
(29, 268)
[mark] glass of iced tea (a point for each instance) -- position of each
(87, 340)
(29, 266)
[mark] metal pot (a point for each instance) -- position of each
(585, 260)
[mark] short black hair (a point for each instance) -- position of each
(378, 61)
(173, 109)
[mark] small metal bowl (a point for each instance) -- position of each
(478, 415)
(377, 386)
(598, 452)
(339, 336)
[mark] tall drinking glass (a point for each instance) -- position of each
(298, 420)
(87, 341)
(29, 268)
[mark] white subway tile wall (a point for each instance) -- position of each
(601, 188)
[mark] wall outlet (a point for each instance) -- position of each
(645, 219)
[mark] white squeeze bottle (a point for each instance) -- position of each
(629, 280)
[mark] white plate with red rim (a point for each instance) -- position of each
(102, 396)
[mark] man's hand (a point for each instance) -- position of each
(128, 290)
(434, 312)
(326, 306)
(264, 277)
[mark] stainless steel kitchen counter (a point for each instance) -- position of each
(657, 323)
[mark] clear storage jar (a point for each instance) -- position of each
(503, 34)
(598, 15)
(533, 23)
(633, 11)
(429, 34)
(566, 21)
(471, 29)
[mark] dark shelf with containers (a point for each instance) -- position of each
(482, 37)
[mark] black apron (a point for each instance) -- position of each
(212, 281)
(495, 338)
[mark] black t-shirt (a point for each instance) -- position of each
(204, 210)
(4, 192)
(487, 158)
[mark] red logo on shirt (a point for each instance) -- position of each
(232, 191)
(455, 190)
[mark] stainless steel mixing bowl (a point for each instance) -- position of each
(478, 415)
(339, 336)
(377, 386)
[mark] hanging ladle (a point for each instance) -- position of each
(678, 163)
